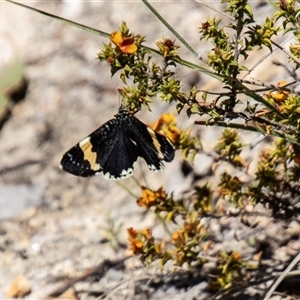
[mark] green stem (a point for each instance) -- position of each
(87, 28)
(124, 187)
(260, 99)
(153, 51)
(178, 36)
(275, 133)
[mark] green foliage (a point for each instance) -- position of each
(150, 79)
(275, 113)
(229, 147)
(231, 269)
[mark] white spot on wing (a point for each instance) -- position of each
(124, 174)
(84, 141)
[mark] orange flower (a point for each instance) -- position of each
(150, 198)
(235, 256)
(124, 44)
(173, 134)
(167, 125)
(136, 244)
(179, 238)
(132, 232)
(147, 233)
(175, 237)
(164, 120)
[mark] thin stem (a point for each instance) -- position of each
(260, 99)
(286, 52)
(182, 62)
(282, 276)
(107, 35)
(124, 187)
(178, 36)
(87, 28)
(249, 128)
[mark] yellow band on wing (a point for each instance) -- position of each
(86, 147)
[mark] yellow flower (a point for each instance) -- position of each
(125, 44)
(279, 95)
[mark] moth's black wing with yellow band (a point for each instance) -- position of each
(152, 146)
(113, 149)
(83, 158)
(105, 151)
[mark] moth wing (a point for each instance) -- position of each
(114, 147)
(152, 146)
(87, 157)
(122, 158)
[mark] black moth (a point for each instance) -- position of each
(112, 150)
